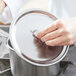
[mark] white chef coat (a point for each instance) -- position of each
(63, 8)
(6, 16)
(59, 8)
(12, 8)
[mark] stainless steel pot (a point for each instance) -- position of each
(26, 58)
(20, 67)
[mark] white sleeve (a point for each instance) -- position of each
(15, 5)
(5, 16)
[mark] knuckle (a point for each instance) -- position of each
(60, 22)
(61, 31)
(46, 29)
(70, 42)
(66, 32)
(42, 38)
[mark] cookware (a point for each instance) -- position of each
(29, 56)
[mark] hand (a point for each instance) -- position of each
(2, 5)
(61, 32)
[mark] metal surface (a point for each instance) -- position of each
(5, 69)
(24, 43)
(69, 71)
(20, 67)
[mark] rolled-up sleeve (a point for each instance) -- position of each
(11, 10)
(15, 5)
(6, 16)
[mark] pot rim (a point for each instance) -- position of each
(56, 60)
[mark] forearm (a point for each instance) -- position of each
(15, 5)
(41, 4)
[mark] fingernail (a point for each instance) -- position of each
(46, 43)
(38, 35)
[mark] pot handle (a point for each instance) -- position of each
(1, 72)
(3, 34)
(9, 44)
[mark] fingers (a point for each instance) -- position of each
(53, 35)
(57, 41)
(47, 30)
(64, 43)
(54, 26)
(58, 34)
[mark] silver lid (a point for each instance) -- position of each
(22, 36)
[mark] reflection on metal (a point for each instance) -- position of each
(63, 66)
